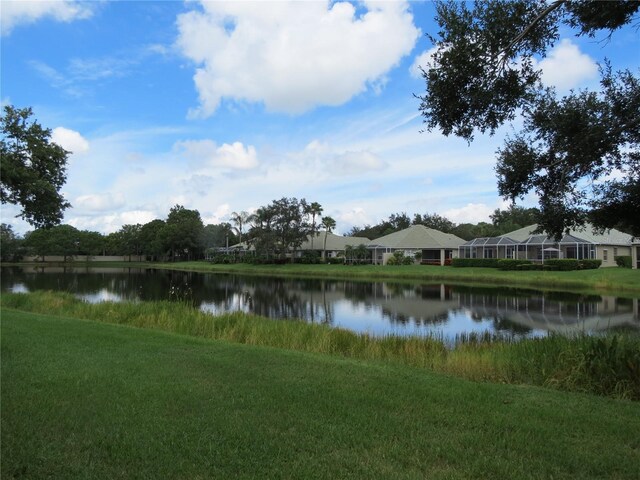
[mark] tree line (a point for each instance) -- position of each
(272, 231)
(502, 221)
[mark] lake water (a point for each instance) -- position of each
(378, 308)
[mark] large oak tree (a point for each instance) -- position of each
(33, 168)
(579, 153)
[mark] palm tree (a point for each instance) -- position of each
(240, 219)
(329, 224)
(314, 209)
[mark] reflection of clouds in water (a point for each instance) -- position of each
(235, 302)
(376, 308)
(102, 295)
(19, 288)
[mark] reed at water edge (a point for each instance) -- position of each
(603, 365)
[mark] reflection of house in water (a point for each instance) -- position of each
(551, 312)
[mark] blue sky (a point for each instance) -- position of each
(226, 106)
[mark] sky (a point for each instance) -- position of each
(227, 106)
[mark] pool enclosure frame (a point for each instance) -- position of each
(536, 248)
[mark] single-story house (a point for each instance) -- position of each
(335, 244)
(581, 243)
(434, 245)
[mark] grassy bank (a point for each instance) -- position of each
(88, 400)
(606, 366)
(603, 279)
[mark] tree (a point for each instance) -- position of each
(128, 240)
(33, 169)
(329, 224)
(62, 240)
(216, 236)
(435, 221)
(183, 232)
(11, 245)
(90, 243)
(240, 219)
(290, 224)
(153, 240)
(314, 209)
(262, 234)
(513, 218)
(483, 73)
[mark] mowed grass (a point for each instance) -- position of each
(601, 365)
(87, 400)
(616, 280)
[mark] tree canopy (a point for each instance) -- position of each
(33, 168)
(579, 153)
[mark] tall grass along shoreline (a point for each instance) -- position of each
(607, 365)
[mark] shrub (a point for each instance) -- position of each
(393, 260)
(531, 266)
(407, 261)
(475, 262)
(335, 260)
(590, 264)
(512, 264)
(563, 264)
(309, 257)
(623, 261)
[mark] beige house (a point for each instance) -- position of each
(335, 244)
(582, 243)
(434, 246)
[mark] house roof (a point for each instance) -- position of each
(334, 242)
(418, 237)
(586, 234)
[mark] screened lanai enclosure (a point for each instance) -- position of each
(537, 248)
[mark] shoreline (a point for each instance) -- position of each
(622, 282)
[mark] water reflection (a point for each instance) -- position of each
(374, 307)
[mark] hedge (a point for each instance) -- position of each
(563, 264)
(512, 264)
(475, 262)
(623, 261)
(590, 264)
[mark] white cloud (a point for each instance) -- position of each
(112, 223)
(423, 60)
(350, 163)
(70, 140)
(16, 13)
(99, 203)
(470, 213)
(234, 156)
(357, 216)
(292, 55)
(219, 215)
(567, 67)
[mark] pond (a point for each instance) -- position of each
(378, 308)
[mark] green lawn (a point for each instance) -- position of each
(620, 280)
(88, 400)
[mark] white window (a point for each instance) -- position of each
(605, 255)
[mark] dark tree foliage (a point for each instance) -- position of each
(514, 218)
(32, 170)
(483, 74)
(435, 221)
(11, 245)
(183, 232)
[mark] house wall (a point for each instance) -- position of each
(611, 252)
(635, 256)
